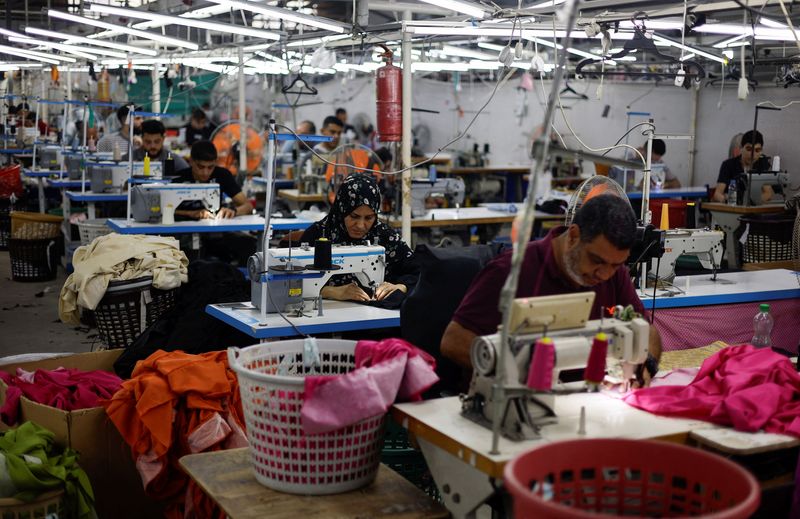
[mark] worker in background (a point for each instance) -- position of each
(353, 220)
(332, 127)
(25, 114)
(348, 132)
(204, 170)
(304, 128)
(153, 133)
(749, 159)
(590, 254)
(661, 177)
(199, 128)
(120, 139)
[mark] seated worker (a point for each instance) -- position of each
(119, 139)
(661, 177)
(590, 254)
(353, 220)
(348, 131)
(304, 128)
(199, 128)
(204, 169)
(153, 132)
(749, 159)
(332, 127)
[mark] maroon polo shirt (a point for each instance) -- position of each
(478, 310)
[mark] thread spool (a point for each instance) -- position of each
(595, 370)
(664, 217)
(540, 373)
(322, 254)
(169, 166)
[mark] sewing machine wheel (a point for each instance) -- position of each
(254, 267)
(287, 268)
(484, 356)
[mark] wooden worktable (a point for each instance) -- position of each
(227, 478)
(741, 209)
(484, 170)
(294, 195)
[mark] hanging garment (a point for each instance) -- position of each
(386, 371)
(177, 404)
(116, 257)
(743, 387)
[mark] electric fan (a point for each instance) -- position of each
(349, 158)
(591, 187)
(226, 139)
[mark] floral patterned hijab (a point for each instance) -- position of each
(356, 190)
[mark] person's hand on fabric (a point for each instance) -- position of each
(226, 212)
(385, 289)
(200, 214)
(351, 292)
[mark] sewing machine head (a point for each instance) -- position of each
(107, 177)
(49, 157)
(156, 203)
(450, 189)
(754, 183)
(366, 262)
(705, 244)
(565, 318)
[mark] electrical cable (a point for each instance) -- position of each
(463, 133)
(655, 289)
(295, 328)
(628, 133)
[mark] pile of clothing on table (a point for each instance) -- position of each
(31, 465)
(62, 388)
(116, 257)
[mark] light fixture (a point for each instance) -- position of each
(723, 28)
(667, 41)
(687, 56)
(89, 41)
(127, 30)
(317, 41)
(69, 49)
(189, 22)
(454, 50)
(28, 54)
(285, 14)
(728, 41)
(545, 4)
(772, 23)
(663, 25)
(430, 66)
(460, 6)
(6, 66)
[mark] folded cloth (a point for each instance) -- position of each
(35, 465)
(744, 387)
(386, 371)
(177, 404)
(116, 257)
(66, 389)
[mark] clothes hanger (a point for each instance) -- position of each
(733, 74)
(569, 90)
(302, 89)
(640, 42)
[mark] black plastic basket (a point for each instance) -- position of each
(119, 314)
(5, 219)
(769, 238)
(34, 260)
(399, 455)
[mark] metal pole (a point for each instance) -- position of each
(646, 214)
(406, 143)
(693, 132)
(156, 80)
(270, 175)
(130, 159)
(526, 221)
(242, 118)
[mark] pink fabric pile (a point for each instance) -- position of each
(386, 371)
(62, 388)
(743, 387)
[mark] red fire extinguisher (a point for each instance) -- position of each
(390, 99)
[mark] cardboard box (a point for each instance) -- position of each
(104, 455)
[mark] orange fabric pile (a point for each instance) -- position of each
(177, 404)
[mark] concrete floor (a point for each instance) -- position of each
(29, 320)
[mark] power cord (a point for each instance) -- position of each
(295, 328)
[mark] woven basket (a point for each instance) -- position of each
(34, 226)
(128, 307)
(40, 508)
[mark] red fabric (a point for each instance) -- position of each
(744, 387)
(163, 413)
(66, 389)
(370, 353)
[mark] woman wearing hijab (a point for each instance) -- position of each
(353, 220)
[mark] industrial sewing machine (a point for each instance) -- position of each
(705, 244)
(156, 203)
(565, 318)
(449, 189)
(49, 157)
(292, 278)
(107, 177)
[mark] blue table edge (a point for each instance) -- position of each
(710, 300)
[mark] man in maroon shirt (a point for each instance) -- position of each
(590, 254)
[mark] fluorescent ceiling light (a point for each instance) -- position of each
(58, 46)
(723, 28)
(99, 43)
(665, 25)
(726, 42)
(285, 14)
(317, 41)
(772, 23)
(127, 30)
(460, 6)
(687, 56)
(6, 66)
(454, 50)
(31, 55)
(260, 46)
(666, 41)
(546, 4)
(429, 66)
(177, 20)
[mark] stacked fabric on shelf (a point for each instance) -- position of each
(177, 404)
(62, 388)
(31, 464)
(116, 257)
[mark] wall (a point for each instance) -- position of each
(509, 135)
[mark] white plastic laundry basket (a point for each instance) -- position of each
(271, 383)
(91, 229)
